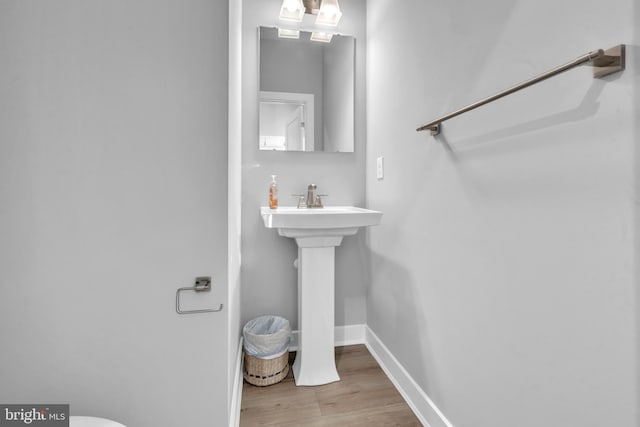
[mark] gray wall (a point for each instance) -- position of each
(504, 271)
(268, 277)
(113, 188)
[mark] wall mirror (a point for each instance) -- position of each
(306, 92)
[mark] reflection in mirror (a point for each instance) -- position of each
(285, 120)
(306, 93)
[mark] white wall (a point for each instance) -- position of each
(268, 277)
(113, 181)
(234, 194)
(635, 65)
(504, 271)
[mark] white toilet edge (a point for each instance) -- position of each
(83, 421)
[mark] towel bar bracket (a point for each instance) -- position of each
(611, 61)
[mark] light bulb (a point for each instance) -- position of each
(321, 37)
(329, 13)
(292, 10)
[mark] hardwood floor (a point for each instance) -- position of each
(364, 396)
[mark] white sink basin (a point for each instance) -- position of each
(327, 218)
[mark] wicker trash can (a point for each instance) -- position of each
(263, 372)
(266, 350)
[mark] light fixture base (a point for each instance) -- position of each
(311, 7)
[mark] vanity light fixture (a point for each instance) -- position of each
(287, 33)
(327, 11)
(317, 36)
(292, 10)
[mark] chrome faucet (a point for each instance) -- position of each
(310, 196)
(311, 200)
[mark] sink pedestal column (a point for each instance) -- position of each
(315, 362)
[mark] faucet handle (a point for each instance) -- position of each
(317, 203)
(302, 200)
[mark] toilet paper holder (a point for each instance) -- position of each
(202, 284)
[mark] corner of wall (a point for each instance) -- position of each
(234, 308)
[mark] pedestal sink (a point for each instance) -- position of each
(317, 232)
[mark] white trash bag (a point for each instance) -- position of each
(266, 337)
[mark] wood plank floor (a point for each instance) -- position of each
(364, 396)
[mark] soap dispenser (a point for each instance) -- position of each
(273, 193)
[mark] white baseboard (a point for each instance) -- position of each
(350, 335)
(343, 335)
(424, 408)
(236, 398)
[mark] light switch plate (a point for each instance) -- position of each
(380, 168)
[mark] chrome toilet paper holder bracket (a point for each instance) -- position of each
(202, 284)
